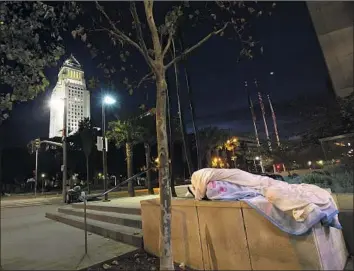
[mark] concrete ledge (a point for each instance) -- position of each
(345, 201)
(210, 235)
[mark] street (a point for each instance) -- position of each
(28, 202)
(29, 241)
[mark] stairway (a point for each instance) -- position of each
(119, 223)
(119, 219)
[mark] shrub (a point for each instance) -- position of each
(340, 179)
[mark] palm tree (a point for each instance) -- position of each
(180, 115)
(148, 124)
(210, 138)
(87, 134)
(126, 132)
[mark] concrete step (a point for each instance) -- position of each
(128, 220)
(108, 208)
(124, 234)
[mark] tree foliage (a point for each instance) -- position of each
(331, 117)
(347, 112)
(87, 134)
(125, 131)
(30, 41)
(211, 138)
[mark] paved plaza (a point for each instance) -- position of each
(29, 241)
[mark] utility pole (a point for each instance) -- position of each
(254, 119)
(274, 121)
(263, 115)
(104, 151)
(36, 179)
(64, 150)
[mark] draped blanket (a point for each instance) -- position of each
(294, 208)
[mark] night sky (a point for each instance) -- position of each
(291, 51)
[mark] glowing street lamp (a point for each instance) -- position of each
(61, 104)
(107, 100)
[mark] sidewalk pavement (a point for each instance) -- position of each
(29, 241)
(30, 202)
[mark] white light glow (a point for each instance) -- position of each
(56, 103)
(271, 73)
(309, 163)
(109, 100)
(257, 158)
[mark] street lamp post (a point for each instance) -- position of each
(36, 179)
(107, 100)
(42, 177)
(60, 104)
(64, 150)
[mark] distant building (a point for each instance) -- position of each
(72, 86)
(333, 22)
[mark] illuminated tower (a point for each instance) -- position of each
(72, 86)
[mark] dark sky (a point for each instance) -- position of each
(291, 51)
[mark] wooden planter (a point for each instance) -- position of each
(210, 235)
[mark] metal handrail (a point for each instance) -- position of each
(84, 199)
(122, 183)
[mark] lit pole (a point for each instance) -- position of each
(42, 177)
(59, 104)
(65, 153)
(36, 177)
(107, 100)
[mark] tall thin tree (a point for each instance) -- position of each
(181, 116)
(86, 132)
(190, 102)
(152, 40)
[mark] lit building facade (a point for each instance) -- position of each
(70, 87)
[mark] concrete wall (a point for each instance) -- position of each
(333, 22)
(210, 235)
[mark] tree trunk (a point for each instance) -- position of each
(129, 154)
(181, 121)
(235, 158)
(88, 174)
(217, 151)
(166, 259)
(191, 106)
(208, 158)
(171, 142)
(147, 162)
(200, 159)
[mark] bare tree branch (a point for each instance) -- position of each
(120, 35)
(168, 44)
(138, 30)
(195, 46)
(145, 78)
